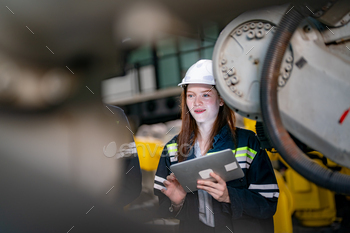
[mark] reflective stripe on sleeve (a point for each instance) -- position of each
(173, 153)
(244, 159)
(159, 179)
(270, 195)
(159, 187)
(173, 159)
(244, 165)
(263, 186)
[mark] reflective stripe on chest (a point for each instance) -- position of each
(244, 156)
(172, 151)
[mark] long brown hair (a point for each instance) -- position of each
(189, 126)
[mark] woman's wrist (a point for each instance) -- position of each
(176, 206)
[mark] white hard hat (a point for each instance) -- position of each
(200, 72)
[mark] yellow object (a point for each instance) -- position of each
(274, 156)
(149, 151)
(249, 124)
(285, 207)
(314, 206)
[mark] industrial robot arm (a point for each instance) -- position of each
(292, 77)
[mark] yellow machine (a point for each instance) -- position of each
(149, 151)
(285, 207)
(312, 205)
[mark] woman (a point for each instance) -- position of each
(242, 205)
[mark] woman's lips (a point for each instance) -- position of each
(199, 111)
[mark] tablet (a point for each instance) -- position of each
(222, 163)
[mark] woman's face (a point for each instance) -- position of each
(203, 102)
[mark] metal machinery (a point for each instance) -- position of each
(281, 58)
(288, 67)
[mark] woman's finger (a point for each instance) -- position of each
(215, 193)
(166, 183)
(217, 178)
(207, 183)
(210, 190)
(165, 192)
(171, 177)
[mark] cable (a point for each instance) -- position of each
(271, 117)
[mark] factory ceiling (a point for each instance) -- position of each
(67, 33)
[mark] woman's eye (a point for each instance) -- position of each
(205, 95)
(189, 96)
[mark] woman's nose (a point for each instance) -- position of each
(197, 101)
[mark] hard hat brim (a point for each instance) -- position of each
(186, 83)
